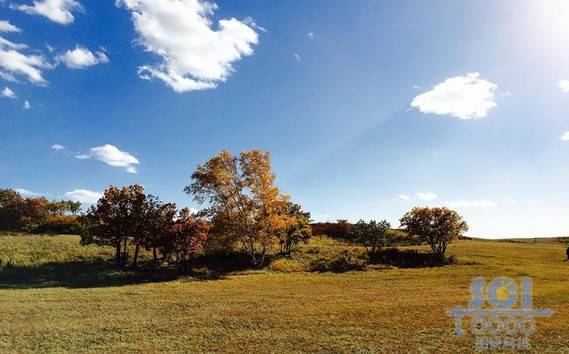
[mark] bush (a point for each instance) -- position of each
(284, 265)
(410, 259)
(340, 263)
(338, 230)
(59, 225)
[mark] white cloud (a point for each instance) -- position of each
(27, 193)
(564, 85)
(565, 136)
(297, 57)
(57, 147)
(195, 54)
(465, 204)
(112, 156)
(6, 26)
(310, 35)
(14, 63)
(83, 196)
(464, 97)
(323, 218)
(404, 196)
(59, 11)
(27, 105)
(81, 58)
(426, 196)
(8, 93)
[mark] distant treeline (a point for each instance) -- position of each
(344, 230)
(37, 214)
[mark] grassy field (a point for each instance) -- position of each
(58, 296)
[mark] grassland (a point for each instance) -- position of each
(58, 296)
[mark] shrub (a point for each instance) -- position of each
(373, 235)
(285, 265)
(410, 259)
(342, 262)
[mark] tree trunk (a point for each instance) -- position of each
(155, 256)
(118, 253)
(125, 252)
(135, 259)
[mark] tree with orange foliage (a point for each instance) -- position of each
(243, 203)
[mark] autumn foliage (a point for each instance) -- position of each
(37, 214)
(246, 209)
(437, 227)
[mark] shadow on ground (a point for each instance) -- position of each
(78, 275)
(102, 273)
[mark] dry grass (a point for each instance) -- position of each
(79, 304)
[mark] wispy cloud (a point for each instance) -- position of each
(83, 196)
(466, 204)
(15, 63)
(8, 93)
(565, 136)
(426, 196)
(564, 85)
(404, 197)
(58, 11)
(27, 193)
(112, 156)
(27, 105)
(57, 147)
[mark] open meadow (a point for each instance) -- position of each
(58, 296)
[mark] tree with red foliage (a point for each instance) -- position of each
(189, 238)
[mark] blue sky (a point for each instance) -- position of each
(368, 107)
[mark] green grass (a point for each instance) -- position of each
(61, 297)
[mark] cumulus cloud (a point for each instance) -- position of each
(8, 93)
(27, 105)
(464, 97)
(565, 136)
(81, 58)
(14, 63)
(59, 11)
(564, 85)
(83, 196)
(195, 54)
(465, 204)
(57, 147)
(27, 193)
(426, 196)
(112, 156)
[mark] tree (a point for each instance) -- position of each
(296, 227)
(118, 216)
(158, 224)
(189, 238)
(374, 235)
(243, 200)
(436, 226)
(10, 209)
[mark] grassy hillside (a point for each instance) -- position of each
(60, 297)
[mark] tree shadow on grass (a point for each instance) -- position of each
(79, 274)
(104, 273)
